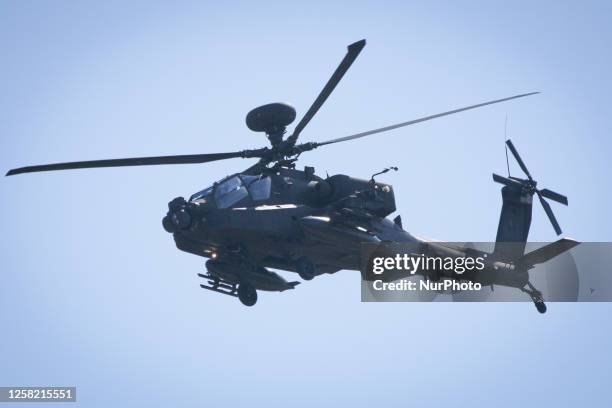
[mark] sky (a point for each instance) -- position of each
(94, 293)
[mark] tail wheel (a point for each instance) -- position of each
(247, 294)
(541, 306)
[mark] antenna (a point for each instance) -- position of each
(383, 171)
(506, 138)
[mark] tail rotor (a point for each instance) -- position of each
(530, 186)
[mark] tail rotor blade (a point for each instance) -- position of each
(560, 198)
(549, 212)
(518, 159)
(504, 180)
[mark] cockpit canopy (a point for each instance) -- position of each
(234, 190)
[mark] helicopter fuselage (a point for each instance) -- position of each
(284, 216)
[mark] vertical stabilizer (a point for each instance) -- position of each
(514, 223)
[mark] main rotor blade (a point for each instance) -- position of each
(134, 161)
(560, 198)
(352, 53)
(423, 119)
(549, 212)
(518, 158)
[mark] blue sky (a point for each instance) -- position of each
(95, 294)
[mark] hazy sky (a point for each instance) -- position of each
(95, 294)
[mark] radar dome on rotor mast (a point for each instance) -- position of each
(272, 119)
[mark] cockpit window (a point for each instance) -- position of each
(230, 192)
(202, 195)
(259, 186)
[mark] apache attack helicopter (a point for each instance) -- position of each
(273, 215)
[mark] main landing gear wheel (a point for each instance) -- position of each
(305, 268)
(247, 294)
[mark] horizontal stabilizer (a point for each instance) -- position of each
(547, 252)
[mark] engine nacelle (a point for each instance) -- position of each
(318, 191)
(381, 201)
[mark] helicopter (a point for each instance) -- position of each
(275, 216)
